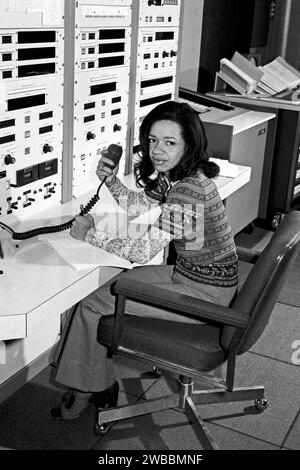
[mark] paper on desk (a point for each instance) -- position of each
(82, 255)
(227, 169)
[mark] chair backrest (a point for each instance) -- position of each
(261, 289)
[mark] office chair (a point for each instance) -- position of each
(193, 351)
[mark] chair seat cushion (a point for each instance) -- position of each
(191, 345)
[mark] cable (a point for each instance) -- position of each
(113, 153)
(53, 228)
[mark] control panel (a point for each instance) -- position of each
(31, 106)
(157, 51)
(101, 84)
(159, 12)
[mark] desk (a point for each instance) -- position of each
(281, 178)
(38, 286)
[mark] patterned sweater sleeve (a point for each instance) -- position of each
(183, 214)
(134, 202)
(137, 249)
(177, 220)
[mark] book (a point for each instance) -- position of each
(276, 81)
(279, 75)
(236, 78)
(240, 73)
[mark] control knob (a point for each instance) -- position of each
(90, 136)
(47, 148)
(117, 128)
(9, 160)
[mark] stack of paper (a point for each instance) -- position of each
(81, 255)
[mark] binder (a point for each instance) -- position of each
(240, 73)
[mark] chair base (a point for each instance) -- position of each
(185, 401)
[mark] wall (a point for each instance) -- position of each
(191, 42)
(279, 30)
(293, 41)
(212, 29)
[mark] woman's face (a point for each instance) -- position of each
(166, 145)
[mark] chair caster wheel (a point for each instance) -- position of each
(261, 404)
(276, 221)
(249, 228)
(156, 372)
(101, 429)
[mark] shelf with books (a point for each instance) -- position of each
(277, 81)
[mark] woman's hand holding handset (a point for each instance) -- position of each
(107, 169)
(81, 225)
(108, 164)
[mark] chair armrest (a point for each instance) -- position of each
(247, 254)
(183, 304)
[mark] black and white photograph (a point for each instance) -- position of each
(149, 231)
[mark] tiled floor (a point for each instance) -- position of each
(25, 422)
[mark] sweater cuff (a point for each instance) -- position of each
(93, 237)
(116, 185)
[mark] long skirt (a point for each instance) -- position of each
(82, 362)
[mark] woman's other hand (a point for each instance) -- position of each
(106, 168)
(81, 226)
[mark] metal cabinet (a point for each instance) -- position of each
(242, 140)
(282, 175)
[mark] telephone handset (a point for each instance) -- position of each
(114, 153)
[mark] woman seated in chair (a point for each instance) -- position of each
(175, 172)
